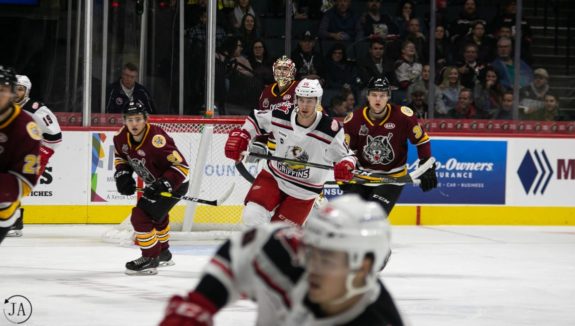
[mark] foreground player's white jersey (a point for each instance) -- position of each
(323, 142)
(264, 265)
(47, 121)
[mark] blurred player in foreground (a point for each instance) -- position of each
(19, 152)
(285, 191)
(325, 274)
(150, 152)
(51, 134)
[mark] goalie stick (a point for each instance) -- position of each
(215, 202)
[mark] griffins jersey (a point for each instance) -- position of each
(382, 145)
(272, 99)
(322, 142)
(156, 156)
(264, 264)
(47, 122)
(19, 160)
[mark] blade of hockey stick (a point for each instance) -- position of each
(215, 202)
(290, 161)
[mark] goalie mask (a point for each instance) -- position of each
(356, 227)
(284, 71)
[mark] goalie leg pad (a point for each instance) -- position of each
(255, 214)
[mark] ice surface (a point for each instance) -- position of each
(438, 276)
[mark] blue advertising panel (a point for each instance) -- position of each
(468, 172)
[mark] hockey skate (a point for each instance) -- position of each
(16, 229)
(165, 259)
(142, 266)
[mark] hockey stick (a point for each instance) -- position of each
(244, 172)
(373, 178)
(215, 202)
(290, 161)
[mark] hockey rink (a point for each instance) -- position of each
(438, 276)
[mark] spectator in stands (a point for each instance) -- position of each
(507, 19)
(349, 98)
(505, 65)
(248, 32)
(308, 61)
(503, 31)
(421, 82)
(340, 23)
(415, 36)
(241, 8)
(375, 63)
(461, 26)
(340, 72)
(405, 11)
(465, 109)
(418, 102)
(505, 112)
(407, 68)
(485, 43)
(338, 107)
(261, 62)
(447, 93)
(470, 68)
(231, 53)
(197, 35)
(488, 92)
(376, 24)
(532, 96)
(550, 111)
(127, 90)
(443, 48)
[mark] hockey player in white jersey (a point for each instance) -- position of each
(325, 274)
(283, 191)
(51, 134)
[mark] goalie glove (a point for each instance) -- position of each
(342, 171)
(428, 178)
(125, 184)
(237, 143)
(155, 189)
(45, 154)
(195, 310)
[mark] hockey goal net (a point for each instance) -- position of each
(202, 142)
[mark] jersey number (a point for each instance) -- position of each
(47, 120)
(31, 164)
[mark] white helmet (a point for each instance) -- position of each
(355, 226)
(23, 80)
(309, 88)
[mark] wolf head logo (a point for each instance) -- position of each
(378, 150)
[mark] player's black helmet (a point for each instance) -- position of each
(378, 84)
(135, 107)
(8, 77)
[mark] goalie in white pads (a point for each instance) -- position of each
(51, 134)
(284, 191)
(325, 274)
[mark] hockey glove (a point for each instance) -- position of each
(259, 145)
(154, 190)
(125, 184)
(45, 154)
(192, 311)
(342, 171)
(237, 143)
(428, 178)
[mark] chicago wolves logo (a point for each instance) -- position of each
(139, 167)
(378, 150)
